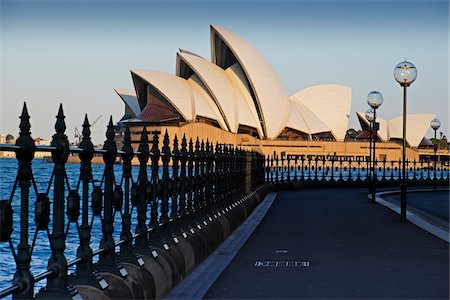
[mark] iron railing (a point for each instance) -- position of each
(190, 183)
(196, 177)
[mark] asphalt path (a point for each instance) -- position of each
(435, 203)
(334, 244)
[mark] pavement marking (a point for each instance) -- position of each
(281, 263)
(412, 217)
(199, 281)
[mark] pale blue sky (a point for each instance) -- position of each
(77, 52)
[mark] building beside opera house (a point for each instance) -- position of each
(237, 98)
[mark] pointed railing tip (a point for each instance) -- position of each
(110, 134)
(60, 111)
(24, 111)
(24, 121)
(60, 125)
(144, 135)
(86, 120)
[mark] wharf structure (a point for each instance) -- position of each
(238, 99)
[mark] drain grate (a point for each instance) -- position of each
(281, 263)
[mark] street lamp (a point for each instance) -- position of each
(374, 99)
(405, 73)
(435, 124)
(369, 118)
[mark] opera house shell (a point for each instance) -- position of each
(389, 130)
(237, 91)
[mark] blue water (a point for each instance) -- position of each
(42, 173)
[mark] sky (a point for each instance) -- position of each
(77, 52)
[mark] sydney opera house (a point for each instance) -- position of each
(237, 98)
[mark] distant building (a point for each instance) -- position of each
(7, 139)
(41, 142)
(237, 98)
(392, 130)
(238, 92)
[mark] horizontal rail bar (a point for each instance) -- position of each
(74, 261)
(9, 290)
(9, 147)
(98, 251)
(43, 148)
(44, 275)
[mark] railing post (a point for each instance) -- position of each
(219, 175)
(309, 169)
(202, 178)
(359, 171)
(276, 168)
(164, 218)
(155, 154)
(84, 268)
(141, 227)
(175, 188)
(25, 155)
(57, 284)
(302, 176)
(332, 168)
(190, 201)
(197, 176)
(323, 168)
(208, 173)
(127, 157)
(316, 174)
(350, 170)
(108, 257)
(183, 180)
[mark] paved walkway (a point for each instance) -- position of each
(333, 243)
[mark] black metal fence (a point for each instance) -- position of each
(186, 186)
(199, 181)
(329, 170)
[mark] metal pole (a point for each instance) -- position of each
(403, 187)
(374, 174)
(435, 146)
(370, 159)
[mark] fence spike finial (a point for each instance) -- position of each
(60, 125)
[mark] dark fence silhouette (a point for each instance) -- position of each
(333, 170)
(187, 197)
(203, 193)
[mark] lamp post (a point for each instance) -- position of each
(369, 118)
(374, 99)
(435, 124)
(404, 73)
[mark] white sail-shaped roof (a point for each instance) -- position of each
(417, 126)
(330, 103)
(270, 96)
(308, 119)
(383, 131)
(129, 97)
(204, 105)
(175, 89)
(247, 114)
(218, 84)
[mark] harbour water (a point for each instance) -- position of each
(41, 252)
